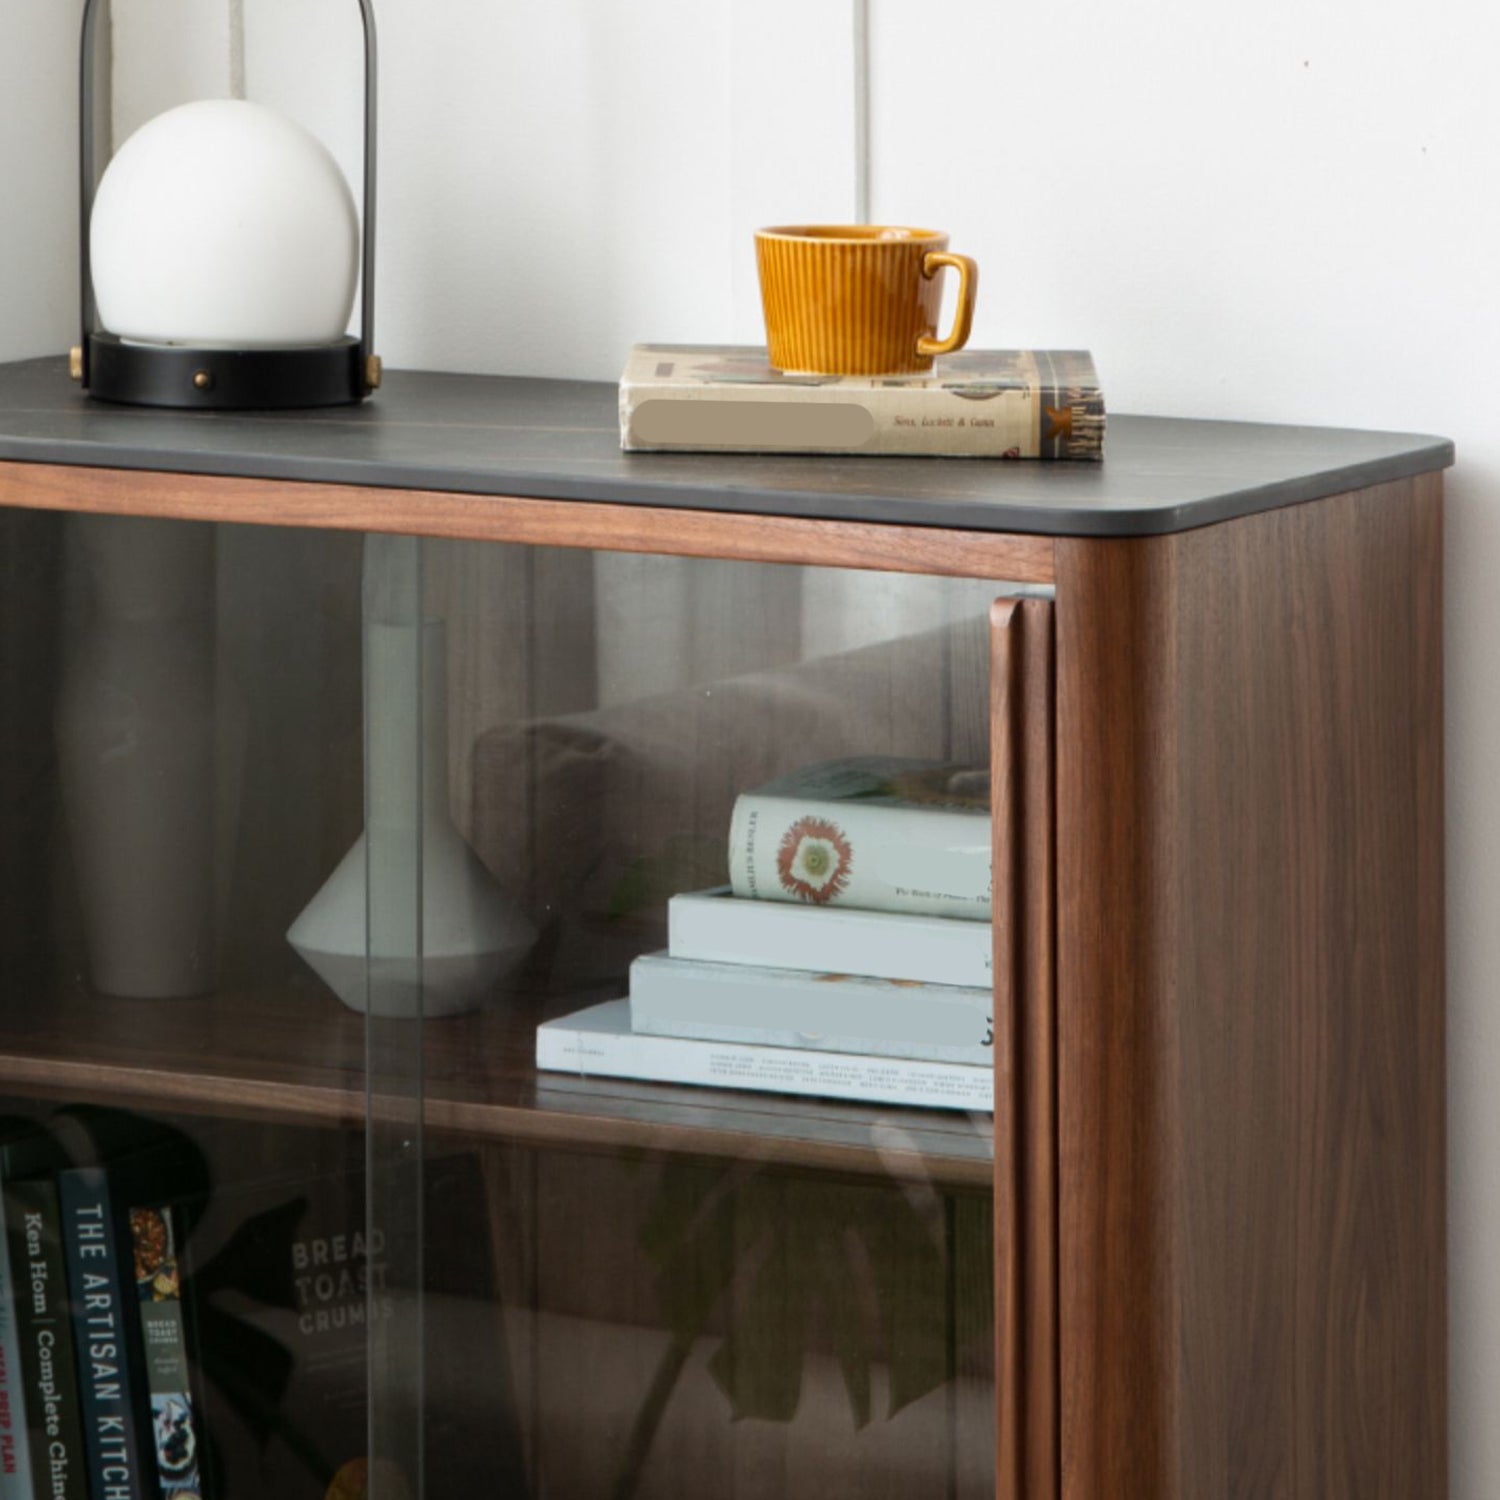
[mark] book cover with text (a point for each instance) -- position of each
(977, 403)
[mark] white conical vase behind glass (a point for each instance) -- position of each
(473, 935)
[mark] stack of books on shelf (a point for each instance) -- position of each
(95, 1398)
(848, 958)
(978, 403)
(166, 1334)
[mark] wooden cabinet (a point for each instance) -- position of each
(1201, 1251)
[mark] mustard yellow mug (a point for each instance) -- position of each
(859, 299)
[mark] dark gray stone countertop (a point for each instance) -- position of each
(558, 439)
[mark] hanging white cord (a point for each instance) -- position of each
(236, 49)
(861, 111)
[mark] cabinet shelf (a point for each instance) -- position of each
(296, 1054)
(287, 1053)
(480, 1079)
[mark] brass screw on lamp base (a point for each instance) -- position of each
(203, 380)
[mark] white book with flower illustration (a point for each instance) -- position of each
(599, 1043)
(720, 927)
(816, 1012)
(876, 833)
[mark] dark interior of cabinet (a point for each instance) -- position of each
(244, 644)
(591, 1323)
(603, 712)
(628, 1287)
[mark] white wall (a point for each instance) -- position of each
(560, 181)
(1281, 211)
(39, 62)
(38, 176)
(165, 52)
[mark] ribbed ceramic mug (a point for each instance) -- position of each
(859, 299)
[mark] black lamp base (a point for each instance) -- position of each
(225, 379)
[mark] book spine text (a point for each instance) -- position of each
(49, 1370)
(1019, 403)
(100, 1337)
(15, 1450)
(173, 1420)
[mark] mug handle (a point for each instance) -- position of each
(963, 314)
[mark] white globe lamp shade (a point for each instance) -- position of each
(224, 225)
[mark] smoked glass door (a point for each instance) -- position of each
(189, 1272)
(720, 1095)
(477, 1093)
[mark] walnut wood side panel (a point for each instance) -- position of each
(551, 523)
(1021, 760)
(1250, 1007)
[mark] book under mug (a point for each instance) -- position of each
(1003, 403)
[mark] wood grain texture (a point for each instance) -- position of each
(557, 523)
(294, 1052)
(1250, 1007)
(1036, 995)
(1010, 1214)
(1429, 1207)
(1022, 750)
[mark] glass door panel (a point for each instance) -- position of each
(182, 768)
(738, 1288)
(306, 835)
(181, 771)
(403, 718)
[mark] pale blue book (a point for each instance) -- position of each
(769, 1007)
(720, 927)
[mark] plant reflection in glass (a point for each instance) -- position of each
(776, 1265)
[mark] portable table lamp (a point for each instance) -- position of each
(220, 251)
